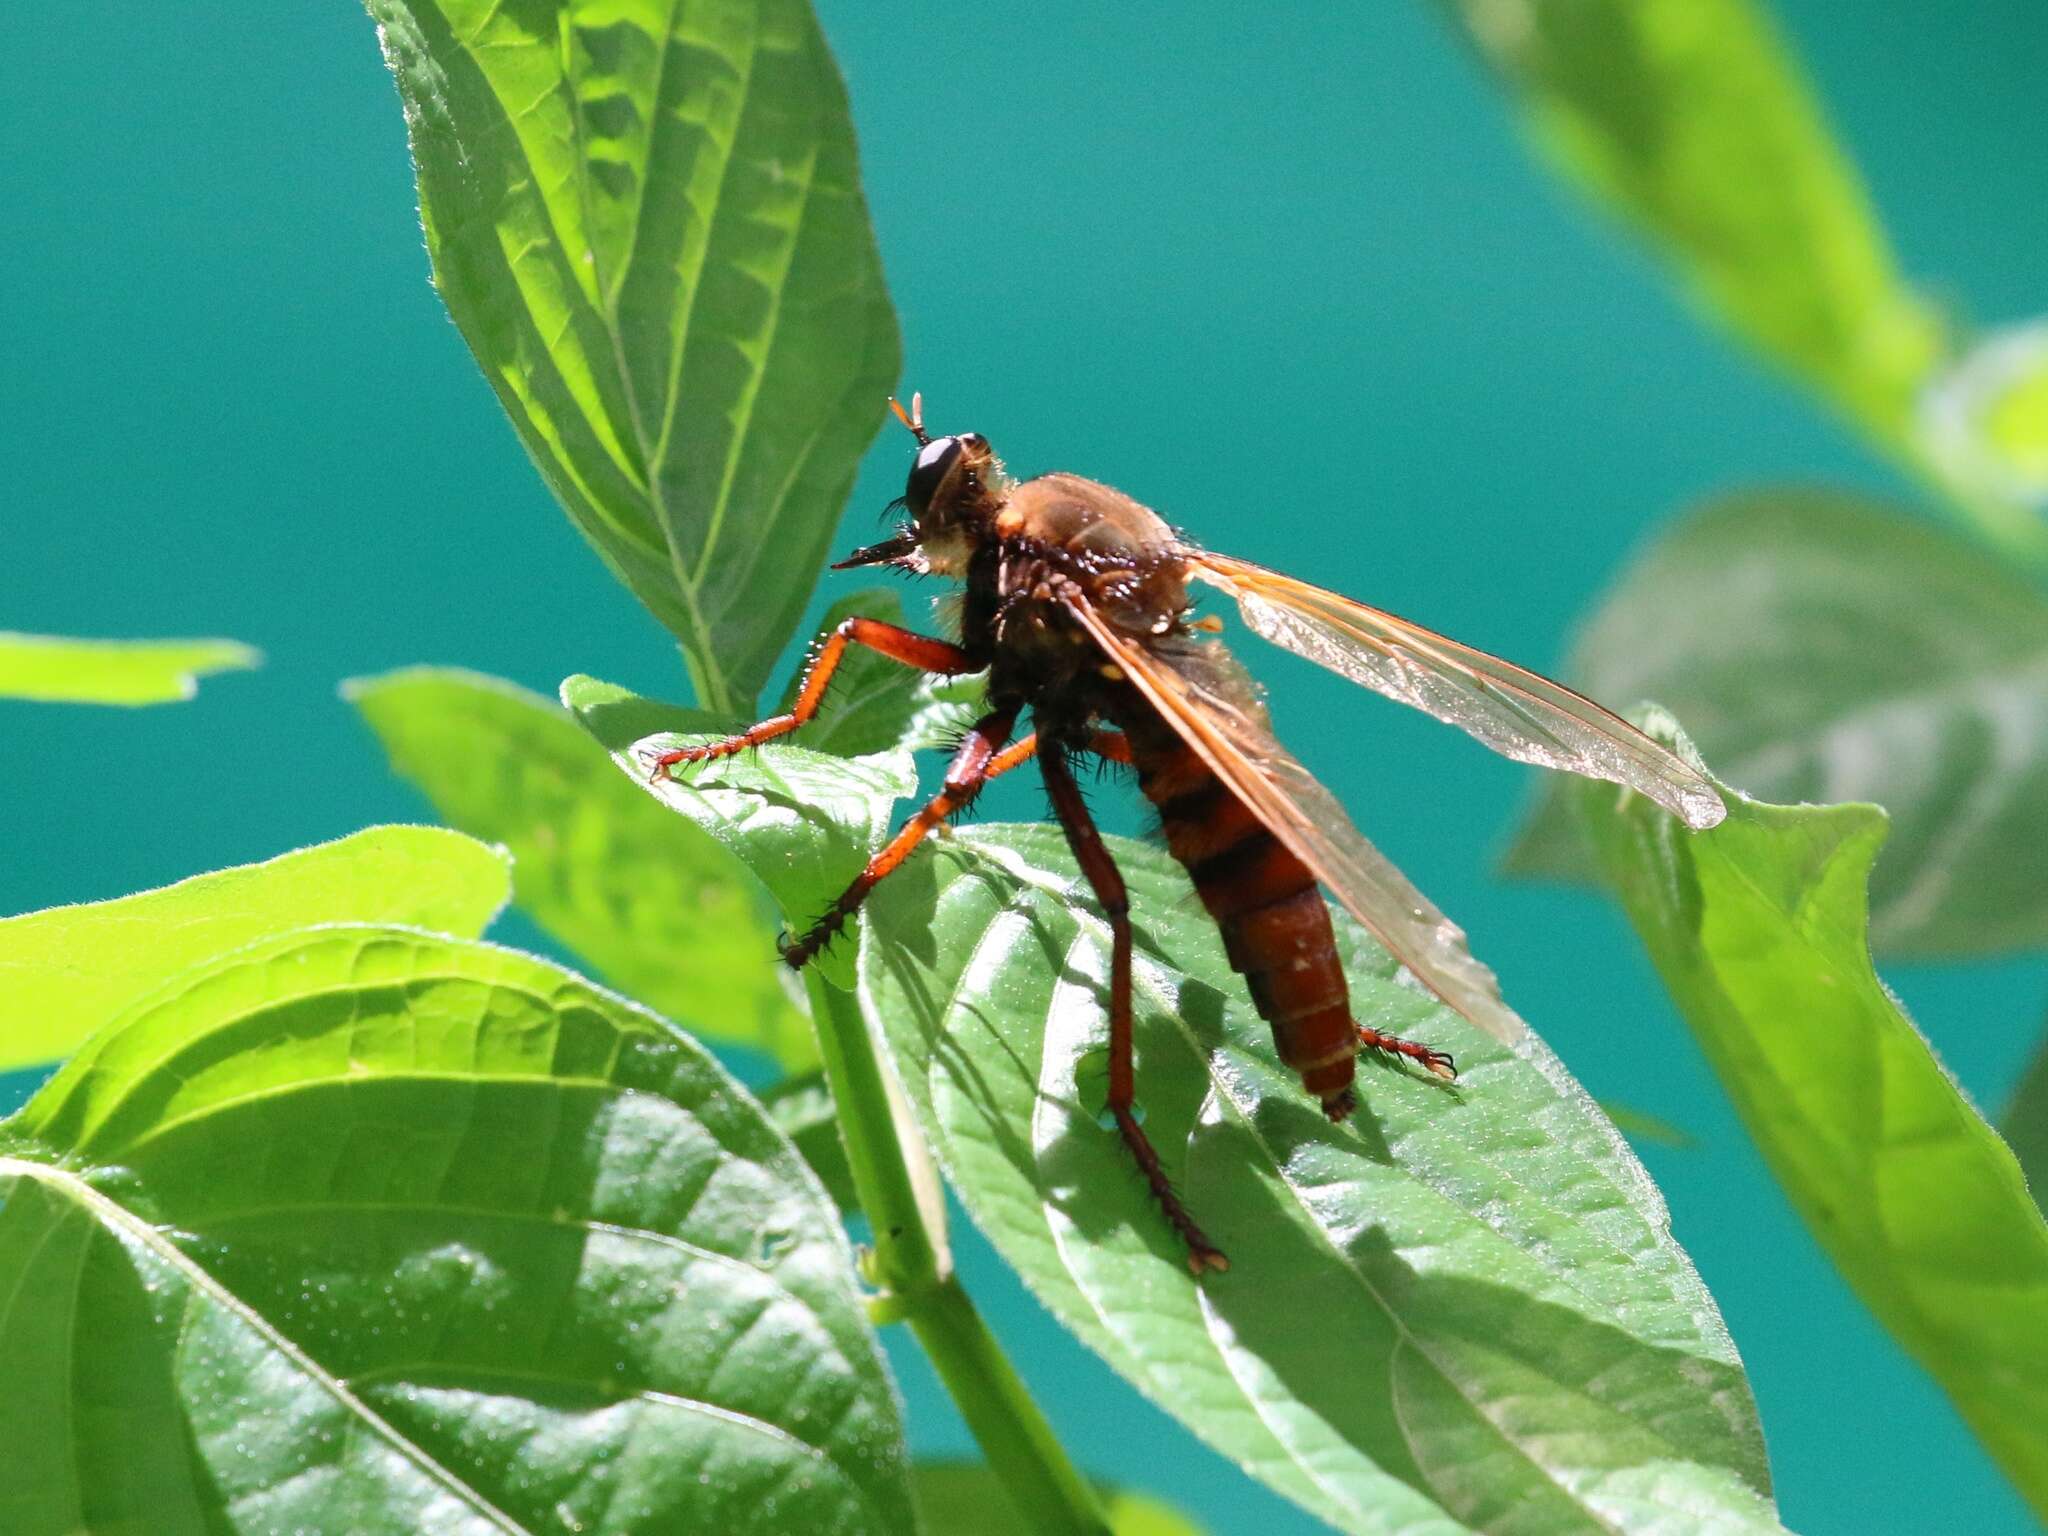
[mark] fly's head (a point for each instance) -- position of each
(956, 488)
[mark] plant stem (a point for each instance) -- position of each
(1049, 1493)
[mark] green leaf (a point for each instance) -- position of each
(965, 1498)
(651, 903)
(67, 971)
(646, 219)
(1640, 1126)
(1986, 419)
(372, 1231)
(1758, 930)
(1824, 649)
(1467, 1301)
(1691, 120)
(802, 1109)
(802, 821)
(2025, 1123)
(64, 671)
(874, 703)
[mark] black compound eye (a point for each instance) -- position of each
(934, 460)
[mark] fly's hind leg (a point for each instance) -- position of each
(1108, 883)
(1436, 1063)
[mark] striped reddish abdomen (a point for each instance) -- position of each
(1276, 928)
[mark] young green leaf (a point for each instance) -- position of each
(646, 219)
(652, 904)
(1690, 119)
(964, 1498)
(802, 821)
(368, 1230)
(1758, 928)
(1467, 1301)
(67, 971)
(52, 668)
(1824, 649)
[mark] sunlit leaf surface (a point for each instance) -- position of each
(1825, 649)
(1463, 1311)
(647, 900)
(1758, 928)
(60, 670)
(646, 219)
(362, 1230)
(801, 820)
(67, 971)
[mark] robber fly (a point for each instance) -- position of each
(1078, 607)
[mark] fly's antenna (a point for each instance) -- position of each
(912, 418)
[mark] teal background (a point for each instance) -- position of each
(1291, 279)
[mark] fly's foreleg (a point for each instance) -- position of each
(1107, 881)
(913, 650)
(982, 756)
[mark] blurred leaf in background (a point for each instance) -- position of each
(1758, 928)
(67, 971)
(653, 905)
(646, 219)
(1824, 648)
(2025, 1124)
(1643, 1128)
(1986, 420)
(59, 670)
(1692, 120)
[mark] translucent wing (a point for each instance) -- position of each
(1192, 688)
(1515, 712)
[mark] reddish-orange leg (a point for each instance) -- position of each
(1436, 1063)
(1107, 880)
(913, 650)
(982, 756)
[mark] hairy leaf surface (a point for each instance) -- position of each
(646, 219)
(66, 971)
(1758, 928)
(369, 1230)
